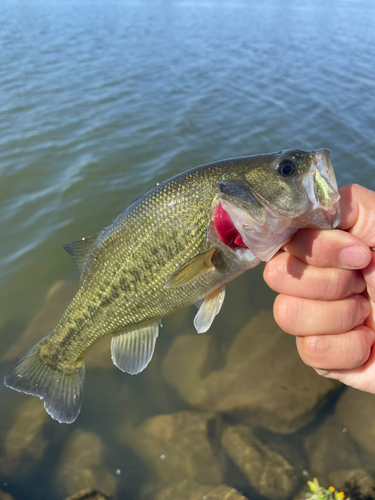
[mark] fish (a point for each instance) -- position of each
(178, 244)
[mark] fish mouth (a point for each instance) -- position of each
(321, 188)
(226, 230)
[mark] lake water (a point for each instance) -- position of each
(100, 100)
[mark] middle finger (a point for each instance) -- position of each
(304, 317)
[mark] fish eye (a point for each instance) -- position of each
(286, 168)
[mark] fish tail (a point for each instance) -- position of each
(60, 389)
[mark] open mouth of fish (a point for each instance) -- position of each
(238, 230)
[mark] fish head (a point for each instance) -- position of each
(293, 183)
(275, 195)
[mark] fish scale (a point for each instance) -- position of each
(166, 251)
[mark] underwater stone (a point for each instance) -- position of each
(329, 449)
(82, 465)
(355, 410)
(267, 471)
(190, 490)
(87, 495)
(56, 301)
(5, 496)
(263, 381)
(355, 478)
(24, 444)
(176, 447)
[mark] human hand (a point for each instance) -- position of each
(326, 282)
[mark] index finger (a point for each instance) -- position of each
(329, 248)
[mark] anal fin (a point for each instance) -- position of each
(132, 351)
(209, 308)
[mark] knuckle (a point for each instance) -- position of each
(283, 310)
(274, 271)
(357, 311)
(359, 347)
(314, 348)
(336, 284)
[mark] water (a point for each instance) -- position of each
(101, 99)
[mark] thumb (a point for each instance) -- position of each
(358, 217)
(357, 206)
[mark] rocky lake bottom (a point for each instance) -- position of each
(205, 421)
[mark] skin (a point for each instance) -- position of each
(326, 286)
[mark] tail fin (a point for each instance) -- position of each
(61, 391)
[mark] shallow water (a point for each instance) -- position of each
(100, 100)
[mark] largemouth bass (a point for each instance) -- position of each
(177, 245)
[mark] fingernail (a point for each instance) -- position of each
(353, 257)
(321, 372)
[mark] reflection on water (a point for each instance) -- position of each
(101, 100)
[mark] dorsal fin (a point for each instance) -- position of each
(79, 249)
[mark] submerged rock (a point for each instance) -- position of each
(356, 410)
(5, 496)
(190, 490)
(24, 444)
(177, 447)
(267, 471)
(330, 449)
(263, 380)
(354, 483)
(82, 465)
(87, 495)
(57, 300)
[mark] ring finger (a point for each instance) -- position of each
(329, 352)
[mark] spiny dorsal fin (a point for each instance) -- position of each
(192, 269)
(79, 249)
(132, 351)
(209, 308)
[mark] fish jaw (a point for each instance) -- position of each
(321, 188)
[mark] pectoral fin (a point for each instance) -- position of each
(209, 309)
(132, 351)
(192, 269)
(79, 249)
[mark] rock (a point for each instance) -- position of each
(57, 300)
(329, 449)
(263, 380)
(24, 444)
(82, 465)
(190, 490)
(87, 495)
(5, 496)
(176, 447)
(355, 410)
(358, 479)
(267, 471)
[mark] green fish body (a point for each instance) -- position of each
(178, 244)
